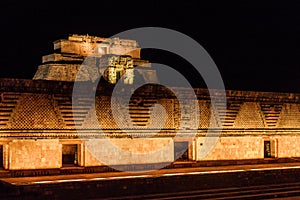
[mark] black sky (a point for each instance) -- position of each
(255, 44)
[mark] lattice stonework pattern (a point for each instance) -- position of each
(55, 111)
(104, 113)
(35, 111)
(250, 116)
(91, 121)
(205, 113)
(168, 106)
(289, 116)
(139, 113)
(189, 114)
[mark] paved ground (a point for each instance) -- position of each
(147, 174)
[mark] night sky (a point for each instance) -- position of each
(255, 44)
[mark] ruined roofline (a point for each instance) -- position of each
(95, 39)
(64, 87)
(33, 86)
(81, 37)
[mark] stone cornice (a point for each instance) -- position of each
(95, 133)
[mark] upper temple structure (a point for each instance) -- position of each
(43, 132)
(95, 56)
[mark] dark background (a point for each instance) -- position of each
(255, 44)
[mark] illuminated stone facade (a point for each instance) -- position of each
(37, 122)
(92, 56)
(40, 129)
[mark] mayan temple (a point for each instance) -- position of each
(42, 132)
(117, 58)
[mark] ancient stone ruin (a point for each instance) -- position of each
(94, 56)
(42, 132)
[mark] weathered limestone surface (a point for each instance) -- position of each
(138, 146)
(288, 146)
(34, 154)
(233, 148)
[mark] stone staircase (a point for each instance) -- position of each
(139, 110)
(271, 113)
(231, 113)
(8, 102)
(228, 114)
(72, 116)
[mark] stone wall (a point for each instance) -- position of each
(233, 148)
(89, 159)
(250, 147)
(34, 154)
(47, 153)
(288, 146)
(94, 149)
